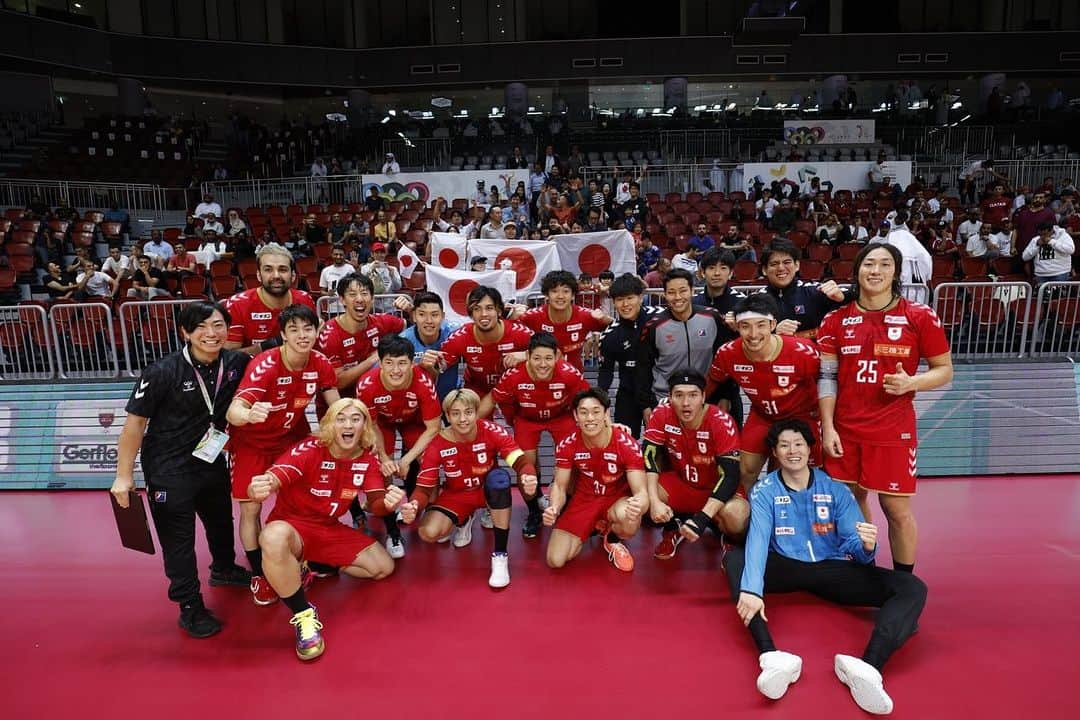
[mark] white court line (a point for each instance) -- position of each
(1064, 551)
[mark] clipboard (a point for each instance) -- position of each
(132, 524)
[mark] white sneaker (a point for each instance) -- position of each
(463, 534)
(396, 547)
(867, 687)
(778, 670)
(446, 538)
(500, 570)
(485, 519)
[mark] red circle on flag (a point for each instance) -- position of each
(405, 261)
(594, 259)
(448, 258)
(459, 293)
(522, 262)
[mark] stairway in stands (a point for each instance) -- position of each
(26, 143)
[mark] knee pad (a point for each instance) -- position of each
(497, 489)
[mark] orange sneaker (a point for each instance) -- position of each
(669, 543)
(619, 556)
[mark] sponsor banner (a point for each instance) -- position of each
(448, 185)
(842, 175)
(828, 132)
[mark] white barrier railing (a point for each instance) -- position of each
(84, 340)
(25, 344)
(985, 320)
(149, 331)
(135, 198)
(1056, 321)
(341, 189)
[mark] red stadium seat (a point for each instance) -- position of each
(811, 270)
(745, 271)
(848, 251)
(223, 287)
(820, 252)
(306, 265)
(842, 270)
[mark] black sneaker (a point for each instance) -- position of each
(234, 575)
(320, 570)
(531, 528)
(197, 621)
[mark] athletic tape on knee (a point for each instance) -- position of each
(497, 489)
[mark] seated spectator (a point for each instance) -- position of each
(818, 209)
(944, 242)
(384, 230)
(235, 227)
(335, 232)
(297, 244)
(854, 232)
(158, 248)
(687, 260)
(766, 206)
(647, 254)
(182, 263)
(214, 248)
(207, 207)
(59, 283)
(92, 283)
(700, 240)
(374, 202)
(312, 233)
(739, 246)
(337, 269)
(593, 221)
(211, 223)
(192, 226)
(637, 205)
(384, 277)
(982, 244)
(359, 231)
(117, 265)
(969, 227)
(829, 232)
(510, 231)
(147, 281)
(655, 278)
(516, 213)
(784, 217)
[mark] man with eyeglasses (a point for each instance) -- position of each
(802, 305)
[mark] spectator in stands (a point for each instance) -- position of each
(996, 206)
(943, 242)
(297, 244)
(157, 247)
(182, 263)
(211, 223)
(537, 180)
(854, 232)
(207, 206)
(147, 281)
(115, 214)
(555, 179)
(1065, 205)
(739, 246)
(655, 277)
(374, 202)
(493, 228)
(81, 256)
(37, 208)
(335, 232)
(65, 212)
(92, 283)
(1052, 250)
(517, 160)
(214, 248)
(647, 254)
(969, 227)
(333, 272)
(516, 212)
(829, 232)
(384, 277)
(687, 260)
(1029, 218)
(564, 212)
(59, 283)
(551, 160)
(192, 226)
(510, 231)
(455, 222)
(969, 177)
(700, 239)
(390, 165)
(784, 217)
(593, 223)
(481, 198)
(982, 244)
(384, 231)
(714, 268)
(637, 205)
(117, 264)
(236, 225)
(312, 233)
(478, 263)
(1020, 199)
(359, 231)
(766, 206)
(917, 262)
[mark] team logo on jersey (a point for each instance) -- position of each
(702, 448)
(287, 380)
(892, 350)
(744, 368)
(823, 512)
(557, 394)
(310, 389)
(574, 337)
(189, 385)
(895, 333)
(783, 381)
(262, 316)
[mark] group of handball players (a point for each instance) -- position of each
(831, 419)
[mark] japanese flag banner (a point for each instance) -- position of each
(594, 252)
(530, 259)
(454, 286)
(449, 251)
(408, 261)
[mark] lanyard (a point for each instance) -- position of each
(202, 384)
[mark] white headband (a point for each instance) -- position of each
(753, 315)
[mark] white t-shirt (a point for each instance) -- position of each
(215, 226)
(967, 229)
(204, 209)
(686, 263)
(976, 246)
(1004, 242)
(330, 275)
(917, 262)
(768, 205)
(99, 284)
(116, 267)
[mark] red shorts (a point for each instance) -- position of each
(330, 543)
(461, 503)
(527, 432)
(410, 433)
(581, 514)
(887, 469)
(682, 496)
(245, 463)
(756, 427)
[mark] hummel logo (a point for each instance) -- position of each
(143, 384)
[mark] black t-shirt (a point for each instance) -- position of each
(638, 207)
(168, 394)
(375, 204)
(140, 277)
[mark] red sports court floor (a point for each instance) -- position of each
(88, 631)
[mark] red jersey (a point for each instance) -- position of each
(519, 395)
(868, 346)
(413, 404)
(693, 453)
(346, 350)
(570, 335)
(996, 209)
(317, 486)
(783, 387)
(600, 471)
(289, 392)
(484, 361)
(252, 321)
(465, 464)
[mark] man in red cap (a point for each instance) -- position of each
(384, 277)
